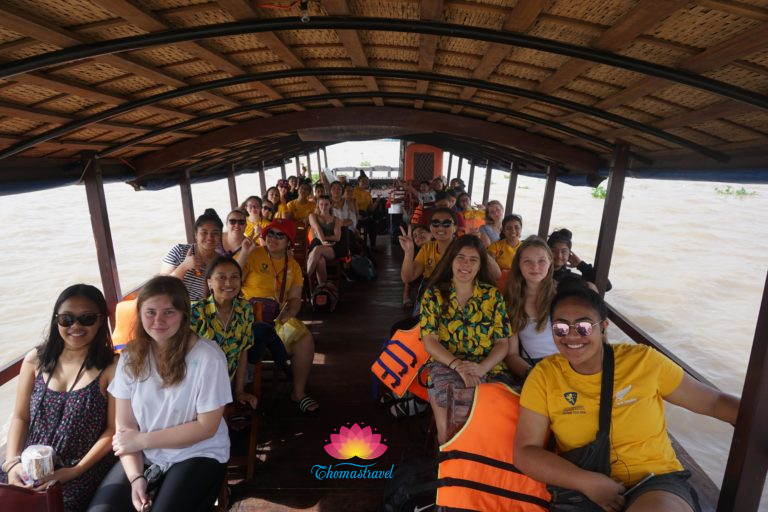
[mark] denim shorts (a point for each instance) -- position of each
(675, 483)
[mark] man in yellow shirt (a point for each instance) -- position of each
(299, 209)
(364, 202)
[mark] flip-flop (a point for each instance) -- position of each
(407, 408)
(304, 407)
(387, 398)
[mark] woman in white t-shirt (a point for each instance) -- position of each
(170, 389)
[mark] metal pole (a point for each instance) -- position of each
(263, 180)
(282, 169)
(487, 187)
(458, 171)
(471, 177)
(511, 188)
(232, 188)
(611, 209)
(747, 461)
(450, 163)
(102, 235)
(187, 207)
(546, 204)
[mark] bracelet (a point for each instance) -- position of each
(450, 365)
(8, 464)
(6, 471)
(137, 477)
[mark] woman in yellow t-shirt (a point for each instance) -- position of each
(252, 207)
(270, 273)
(505, 248)
(562, 394)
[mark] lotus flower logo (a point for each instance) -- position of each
(355, 442)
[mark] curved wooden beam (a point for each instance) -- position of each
(426, 122)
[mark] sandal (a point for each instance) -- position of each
(305, 405)
(387, 398)
(407, 408)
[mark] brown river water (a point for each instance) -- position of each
(688, 267)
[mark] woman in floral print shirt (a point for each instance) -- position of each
(464, 325)
(227, 319)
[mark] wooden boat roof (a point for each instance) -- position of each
(156, 88)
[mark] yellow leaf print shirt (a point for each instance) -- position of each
(467, 332)
(238, 336)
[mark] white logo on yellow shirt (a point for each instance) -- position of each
(620, 394)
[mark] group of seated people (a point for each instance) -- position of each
(541, 327)
(493, 307)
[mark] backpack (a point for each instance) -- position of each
(412, 487)
(362, 269)
(324, 298)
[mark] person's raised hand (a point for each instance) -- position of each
(406, 239)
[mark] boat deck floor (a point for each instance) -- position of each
(347, 342)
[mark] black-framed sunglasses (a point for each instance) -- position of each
(68, 319)
(267, 208)
(446, 223)
(277, 235)
(583, 328)
(236, 222)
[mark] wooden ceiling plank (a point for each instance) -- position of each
(17, 44)
(739, 46)
(736, 8)
(715, 111)
(48, 116)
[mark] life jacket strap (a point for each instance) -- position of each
(481, 459)
(490, 489)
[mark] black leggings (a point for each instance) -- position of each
(190, 485)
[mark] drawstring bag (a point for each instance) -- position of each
(324, 298)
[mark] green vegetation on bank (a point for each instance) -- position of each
(737, 192)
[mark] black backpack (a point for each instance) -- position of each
(362, 269)
(324, 298)
(413, 486)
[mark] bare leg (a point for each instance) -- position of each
(322, 272)
(441, 420)
(652, 501)
(312, 260)
(301, 363)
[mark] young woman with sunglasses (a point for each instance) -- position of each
(62, 400)
(442, 225)
(227, 319)
(189, 262)
(464, 326)
(271, 274)
(504, 249)
(327, 243)
(562, 394)
(170, 389)
(232, 240)
(529, 292)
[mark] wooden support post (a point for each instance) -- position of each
(487, 187)
(549, 199)
(748, 459)
(282, 169)
(298, 167)
(511, 188)
(450, 164)
(263, 180)
(102, 235)
(187, 207)
(401, 170)
(309, 166)
(232, 188)
(471, 178)
(325, 157)
(458, 171)
(319, 164)
(611, 209)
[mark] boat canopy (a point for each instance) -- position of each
(159, 91)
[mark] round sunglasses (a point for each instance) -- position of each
(583, 328)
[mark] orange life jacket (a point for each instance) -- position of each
(400, 361)
(476, 470)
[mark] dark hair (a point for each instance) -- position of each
(237, 212)
(458, 199)
(209, 215)
(171, 365)
(440, 195)
(450, 212)
(578, 290)
(441, 278)
(100, 352)
(339, 183)
(561, 235)
(510, 218)
(222, 260)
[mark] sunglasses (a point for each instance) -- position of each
(445, 223)
(233, 222)
(267, 208)
(277, 235)
(68, 319)
(583, 328)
